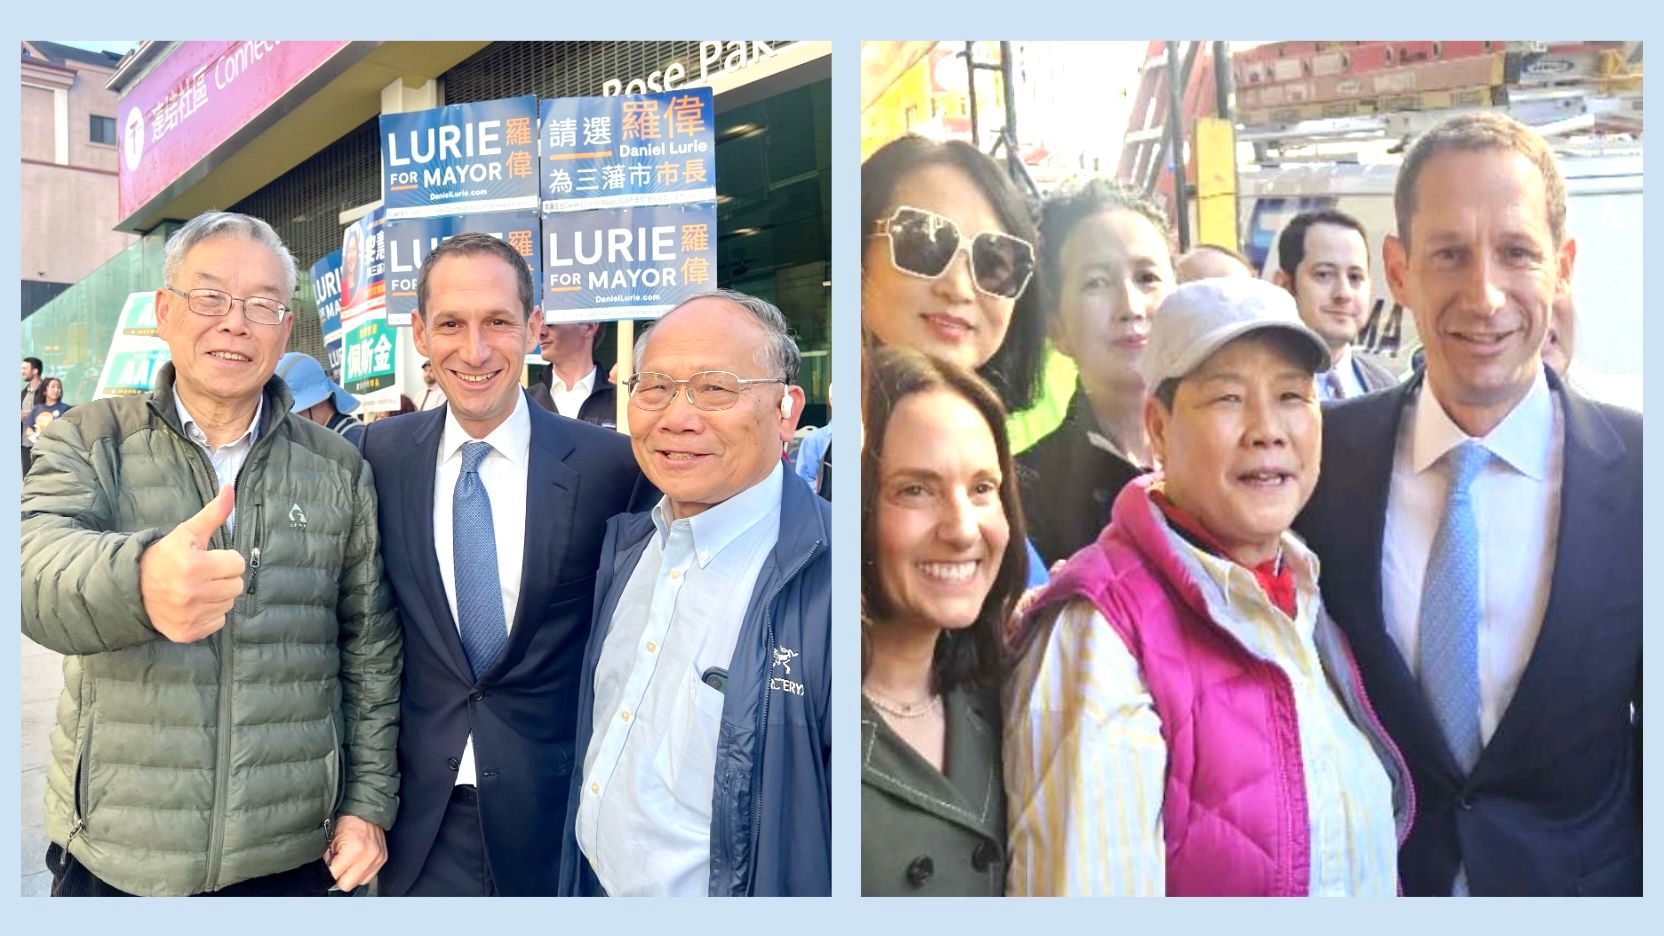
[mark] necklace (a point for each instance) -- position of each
(902, 709)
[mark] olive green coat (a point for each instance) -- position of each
(182, 768)
(924, 833)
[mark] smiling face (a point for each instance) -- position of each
(225, 359)
(1331, 284)
(1241, 447)
(941, 527)
(1481, 273)
(700, 458)
(947, 316)
(54, 390)
(474, 333)
(1115, 271)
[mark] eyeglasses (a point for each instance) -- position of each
(923, 244)
(711, 390)
(216, 302)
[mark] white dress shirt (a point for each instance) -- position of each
(568, 400)
(227, 459)
(645, 818)
(504, 474)
(1346, 371)
(1516, 506)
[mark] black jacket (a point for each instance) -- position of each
(600, 407)
(1068, 485)
(1554, 804)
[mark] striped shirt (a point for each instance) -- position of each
(1086, 765)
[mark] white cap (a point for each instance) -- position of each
(1204, 315)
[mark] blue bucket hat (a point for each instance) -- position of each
(309, 385)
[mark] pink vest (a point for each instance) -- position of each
(1235, 820)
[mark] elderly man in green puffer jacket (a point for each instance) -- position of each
(232, 661)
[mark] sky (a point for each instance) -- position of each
(120, 48)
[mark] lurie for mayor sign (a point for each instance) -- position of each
(618, 263)
(409, 243)
(617, 152)
(460, 159)
(326, 292)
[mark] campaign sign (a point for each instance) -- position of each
(623, 151)
(410, 241)
(326, 292)
(460, 159)
(626, 263)
(138, 316)
(131, 372)
(363, 269)
(371, 355)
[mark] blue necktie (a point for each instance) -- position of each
(479, 595)
(1449, 646)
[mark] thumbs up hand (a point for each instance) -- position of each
(187, 588)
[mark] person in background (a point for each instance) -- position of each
(318, 398)
(1184, 717)
(1207, 261)
(31, 391)
(1323, 261)
(1560, 344)
(1106, 262)
(49, 405)
(924, 205)
(1483, 546)
(433, 395)
(814, 456)
(942, 567)
(573, 386)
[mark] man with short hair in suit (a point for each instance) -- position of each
(1323, 261)
(1482, 544)
(573, 386)
(494, 512)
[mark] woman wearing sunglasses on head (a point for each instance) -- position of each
(942, 566)
(1184, 717)
(947, 266)
(1106, 263)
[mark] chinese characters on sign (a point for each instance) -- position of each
(626, 263)
(461, 159)
(616, 152)
(409, 243)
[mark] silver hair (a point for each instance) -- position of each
(213, 224)
(778, 355)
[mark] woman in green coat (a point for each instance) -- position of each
(943, 563)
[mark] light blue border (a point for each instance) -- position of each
(846, 23)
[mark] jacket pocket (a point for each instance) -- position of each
(337, 776)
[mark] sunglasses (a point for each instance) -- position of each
(923, 244)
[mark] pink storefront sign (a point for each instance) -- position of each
(195, 99)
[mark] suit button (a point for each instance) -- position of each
(453, 763)
(476, 695)
(920, 870)
(984, 856)
(1465, 803)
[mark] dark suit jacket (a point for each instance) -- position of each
(520, 711)
(1554, 804)
(600, 407)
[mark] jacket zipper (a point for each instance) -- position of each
(82, 774)
(222, 767)
(762, 732)
(340, 784)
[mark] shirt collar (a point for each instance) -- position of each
(1524, 439)
(715, 528)
(195, 433)
(587, 381)
(512, 439)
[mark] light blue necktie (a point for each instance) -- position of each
(1449, 647)
(479, 595)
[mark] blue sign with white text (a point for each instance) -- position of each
(326, 292)
(410, 241)
(460, 159)
(629, 150)
(626, 263)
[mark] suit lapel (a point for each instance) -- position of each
(888, 764)
(1587, 511)
(422, 457)
(1393, 688)
(551, 504)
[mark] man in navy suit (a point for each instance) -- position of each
(1480, 532)
(492, 520)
